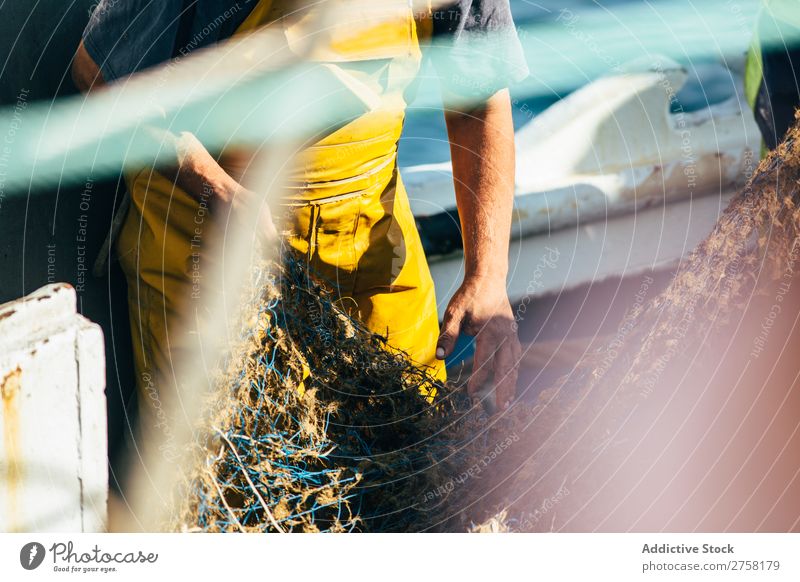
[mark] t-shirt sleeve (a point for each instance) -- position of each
(126, 36)
(475, 48)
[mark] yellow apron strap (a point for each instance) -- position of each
(258, 17)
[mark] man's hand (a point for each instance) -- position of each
(480, 308)
(482, 150)
(242, 203)
(201, 176)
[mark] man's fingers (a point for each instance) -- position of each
(505, 375)
(267, 226)
(244, 202)
(451, 327)
(481, 368)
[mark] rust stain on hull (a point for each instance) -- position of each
(9, 389)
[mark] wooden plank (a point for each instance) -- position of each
(53, 467)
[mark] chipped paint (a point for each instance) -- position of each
(51, 373)
(9, 390)
(519, 215)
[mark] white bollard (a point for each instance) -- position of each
(53, 439)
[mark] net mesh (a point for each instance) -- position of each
(316, 426)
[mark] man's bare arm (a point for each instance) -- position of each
(482, 151)
(86, 73)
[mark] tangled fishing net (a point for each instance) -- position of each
(317, 426)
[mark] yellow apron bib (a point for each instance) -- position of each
(347, 209)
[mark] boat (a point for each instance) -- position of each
(616, 179)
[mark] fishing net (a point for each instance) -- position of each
(316, 426)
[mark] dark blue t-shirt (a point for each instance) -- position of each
(127, 36)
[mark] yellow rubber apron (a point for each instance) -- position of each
(347, 209)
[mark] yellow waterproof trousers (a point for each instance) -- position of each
(346, 209)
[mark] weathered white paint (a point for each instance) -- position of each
(53, 467)
(622, 246)
(609, 181)
(612, 147)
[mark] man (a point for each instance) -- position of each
(347, 209)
